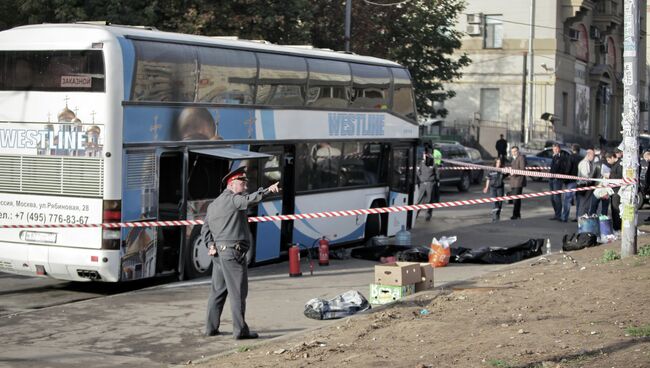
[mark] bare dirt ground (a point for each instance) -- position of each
(565, 310)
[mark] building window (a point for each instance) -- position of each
(490, 104)
(493, 33)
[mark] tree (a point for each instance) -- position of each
(418, 34)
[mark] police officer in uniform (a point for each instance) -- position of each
(227, 235)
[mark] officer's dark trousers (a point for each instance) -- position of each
(616, 214)
(229, 276)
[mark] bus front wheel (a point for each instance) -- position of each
(377, 223)
(198, 263)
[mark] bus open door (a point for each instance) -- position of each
(401, 186)
(205, 169)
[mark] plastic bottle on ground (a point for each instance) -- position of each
(403, 237)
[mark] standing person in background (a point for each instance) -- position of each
(616, 173)
(586, 169)
(227, 235)
(602, 142)
(602, 171)
(517, 182)
(572, 169)
(619, 153)
(429, 185)
(502, 148)
(645, 179)
(494, 182)
(559, 165)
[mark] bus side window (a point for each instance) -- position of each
(164, 72)
(371, 86)
(282, 80)
(226, 76)
(360, 164)
(326, 159)
(403, 99)
(317, 165)
(329, 84)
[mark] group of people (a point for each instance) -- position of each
(594, 165)
(495, 183)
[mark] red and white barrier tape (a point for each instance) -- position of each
(463, 168)
(508, 170)
(316, 215)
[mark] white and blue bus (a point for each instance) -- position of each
(102, 123)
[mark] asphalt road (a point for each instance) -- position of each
(158, 323)
(471, 224)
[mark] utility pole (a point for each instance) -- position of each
(348, 20)
(630, 124)
(531, 72)
(523, 98)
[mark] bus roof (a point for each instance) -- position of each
(20, 37)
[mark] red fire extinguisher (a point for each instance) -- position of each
(323, 252)
(294, 261)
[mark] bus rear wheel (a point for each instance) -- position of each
(198, 263)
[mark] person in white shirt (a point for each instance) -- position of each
(586, 169)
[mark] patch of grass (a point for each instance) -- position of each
(638, 331)
(644, 251)
(244, 348)
(610, 255)
(498, 363)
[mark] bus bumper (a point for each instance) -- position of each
(63, 263)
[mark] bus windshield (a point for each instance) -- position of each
(77, 70)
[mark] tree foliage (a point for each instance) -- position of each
(418, 34)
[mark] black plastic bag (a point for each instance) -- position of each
(342, 305)
(498, 255)
(374, 253)
(415, 254)
(579, 241)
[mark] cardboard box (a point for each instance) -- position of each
(397, 274)
(383, 294)
(426, 271)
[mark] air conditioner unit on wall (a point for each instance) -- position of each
(475, 18)
(574, 34)
(474, 29)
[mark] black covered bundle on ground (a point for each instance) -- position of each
(374, 253)
(579, 241)
(498, 255)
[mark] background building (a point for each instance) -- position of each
(577, 54)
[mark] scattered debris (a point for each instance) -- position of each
(540, 260)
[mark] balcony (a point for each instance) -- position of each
(575, 8)
(608, 14)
